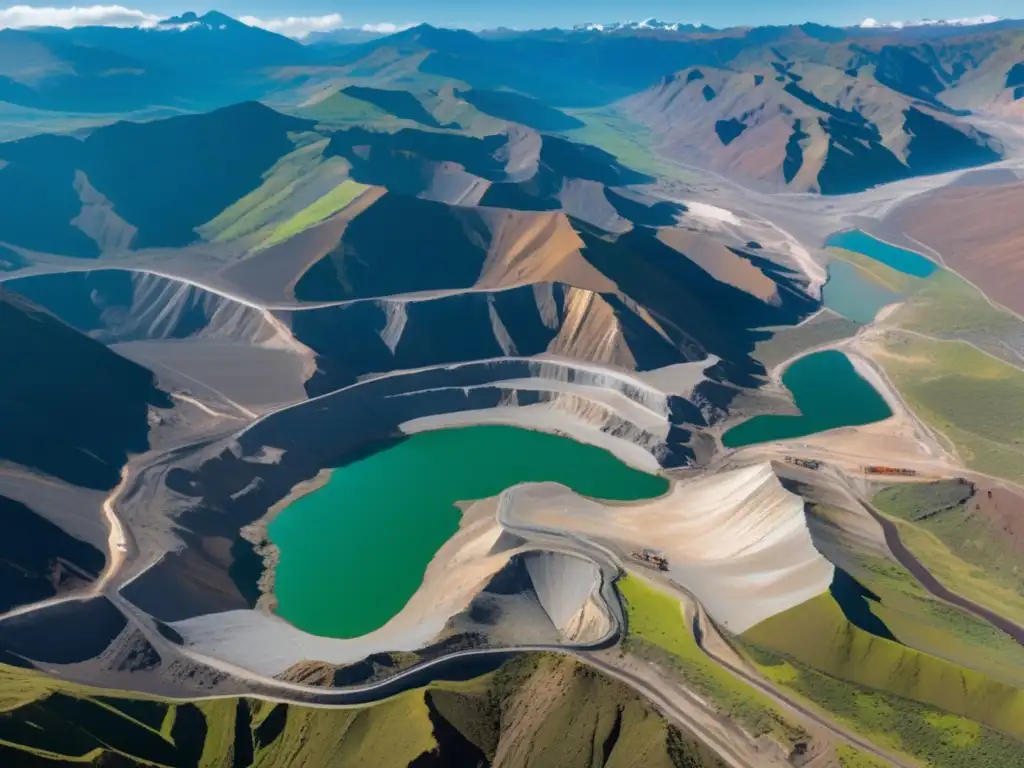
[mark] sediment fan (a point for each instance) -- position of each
(248, 283)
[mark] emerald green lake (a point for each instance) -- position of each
(900, 259)
(353, 552)
(829, 393)
(850, 293)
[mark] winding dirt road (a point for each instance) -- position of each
(925, 578)
(702, 627)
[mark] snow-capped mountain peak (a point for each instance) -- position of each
(652, 23)
(966, 22)
(190, 20)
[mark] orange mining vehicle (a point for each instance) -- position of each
(650, 557)
(879, 470)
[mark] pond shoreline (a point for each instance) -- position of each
(820, 392)
(356, 554)
(258, 535)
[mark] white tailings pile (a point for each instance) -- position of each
(737, 540)
(615, 410)
(711, 215)
(564, 585)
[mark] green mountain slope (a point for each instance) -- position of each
(534, 711)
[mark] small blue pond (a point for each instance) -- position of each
(907, 262)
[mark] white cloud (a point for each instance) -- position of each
(386, 27)
(21, 16)
(296, 26)
(966, 22)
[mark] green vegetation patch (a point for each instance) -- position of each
(975, 400)
(322, 209)
(342, 108)
(630, 143)
(219, 716)
(395, 732)
(851, 757)
(945, 306)
(818, 635)
(977, 550)
(400, 103)
(534, 710)
(657, 631)
(265, 204)
(576, 717)
(921, 621)
(787, 342)
(935, 738)
(918, 501)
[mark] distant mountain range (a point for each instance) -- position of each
(892, 100)
(653, 24)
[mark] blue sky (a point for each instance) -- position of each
(538, 13)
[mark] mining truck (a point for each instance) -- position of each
(875, 469)
(805, 463)
(652, 558)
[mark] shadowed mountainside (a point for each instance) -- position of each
(558, 707)
(39, 560)
(85, 407)
(164, 177)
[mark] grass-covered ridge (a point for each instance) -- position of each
(965, 552)
(851, 757)
(323, 208)
(657, 631)
(268, 202)
(817, 636)
(921, 621)
(535, 710)
(920, 733)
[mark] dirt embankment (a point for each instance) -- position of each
(258, 535)
(978, 232)
(1003, 510)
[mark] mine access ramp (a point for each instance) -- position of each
(651, 558)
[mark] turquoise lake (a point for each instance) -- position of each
(900, 259)
(829, 393)
(353, 552)
(852, 294)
